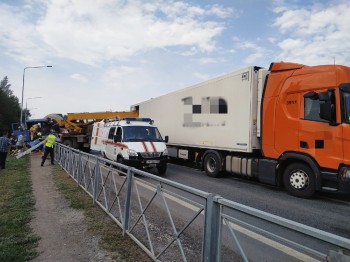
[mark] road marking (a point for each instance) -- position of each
(276, 245)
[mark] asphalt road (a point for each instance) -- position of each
(325, 211)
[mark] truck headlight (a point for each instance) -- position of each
(132, 152)
(346, 173)
(165, 152)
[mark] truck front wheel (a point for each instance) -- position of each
(212, 164)
(299, 180)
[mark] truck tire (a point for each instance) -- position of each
(68, 142)
(162, 169)
(299, 180)
(212, 164)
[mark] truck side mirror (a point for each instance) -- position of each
(326, 111)
(324, 96)
(166, 140)
(327, 108)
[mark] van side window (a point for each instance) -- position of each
(312, 109)
(111, 133)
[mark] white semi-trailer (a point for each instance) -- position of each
(219, 115)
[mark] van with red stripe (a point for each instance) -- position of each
(131, 141)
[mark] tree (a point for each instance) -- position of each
(5, 86)
(10, 110)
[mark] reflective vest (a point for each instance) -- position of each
(50, 140)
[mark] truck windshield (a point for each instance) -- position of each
(346, 106)
(141, 133)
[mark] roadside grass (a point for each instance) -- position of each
(98, 222)
(17, 240)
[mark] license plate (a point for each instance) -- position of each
(153, 161)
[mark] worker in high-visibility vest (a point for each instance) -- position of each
(49, 143)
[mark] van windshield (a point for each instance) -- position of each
(141, 133)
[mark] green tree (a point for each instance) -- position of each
(10, 110)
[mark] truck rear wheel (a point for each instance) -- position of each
(212, 164)
(299, 180)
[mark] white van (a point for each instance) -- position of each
(131, 141)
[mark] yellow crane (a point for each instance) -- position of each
(77, 127)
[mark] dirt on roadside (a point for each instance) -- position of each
(64, 235)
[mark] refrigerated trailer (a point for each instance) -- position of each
(288, 125)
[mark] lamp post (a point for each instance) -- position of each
(24, 72)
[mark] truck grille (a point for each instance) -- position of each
(150, 154)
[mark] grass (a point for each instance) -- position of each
(98, 222)
(17, 241)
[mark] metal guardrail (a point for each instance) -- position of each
(173, 222)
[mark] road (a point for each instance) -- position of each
(325, 211)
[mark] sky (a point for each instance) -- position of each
(107, 55)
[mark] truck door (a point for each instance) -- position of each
(110, 144)
(317, 137)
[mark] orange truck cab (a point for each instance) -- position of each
(306, 127)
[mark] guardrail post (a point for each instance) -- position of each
(127, 210)
(212, 230)
(79, 168)
(70, 160)
(96, 179)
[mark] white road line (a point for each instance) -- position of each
(285, 249)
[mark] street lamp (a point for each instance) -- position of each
(24, 72)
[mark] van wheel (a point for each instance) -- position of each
(299, 180)
(120, 160)
(162, 169)
(212, 164)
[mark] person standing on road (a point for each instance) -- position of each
(49, 143)
(4, 147)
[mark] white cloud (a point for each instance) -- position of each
(93, 32)
(256, 53)
(315, 35)
(208, 60)
(79, 78)
(19, 36)
(201, 77)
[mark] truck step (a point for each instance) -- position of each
(329, 189)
